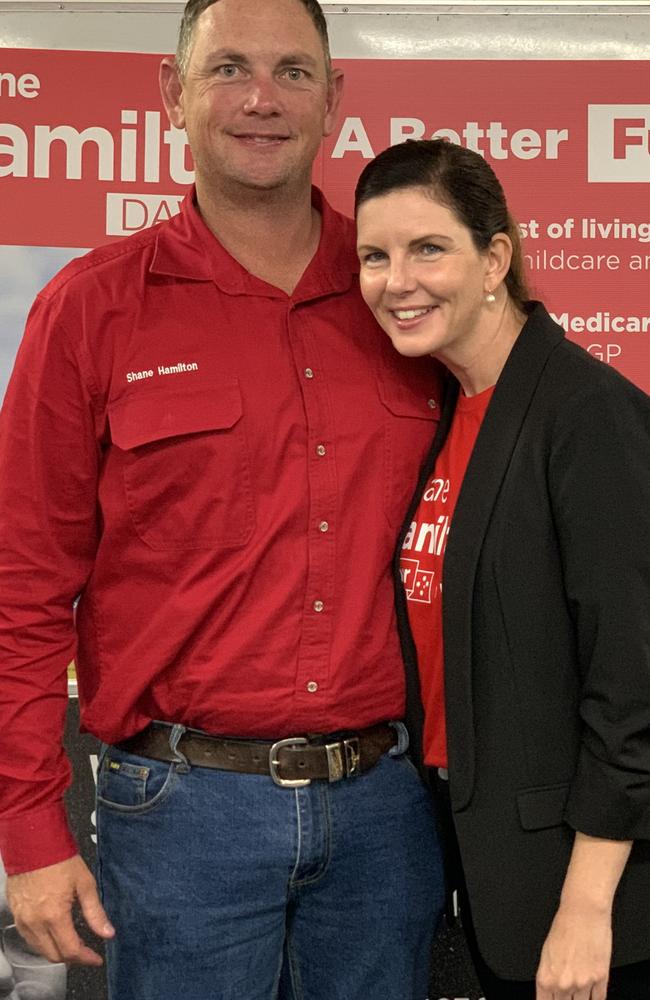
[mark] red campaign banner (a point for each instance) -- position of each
(83, 164)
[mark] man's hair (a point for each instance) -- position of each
(194, 9)
(458, 178)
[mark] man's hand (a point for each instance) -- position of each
(41, 902)
(576, 956)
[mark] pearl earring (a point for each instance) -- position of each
(490, 297)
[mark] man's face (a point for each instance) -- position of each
(256, 99)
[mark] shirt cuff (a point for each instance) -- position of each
(36, 839)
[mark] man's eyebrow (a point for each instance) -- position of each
(226, 55)
(290, 59)
(297, 59)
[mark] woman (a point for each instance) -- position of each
(545, 594)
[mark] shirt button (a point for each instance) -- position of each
(431, 403)
(312, 687)
(321, 450)
(318, 606)
(324, 526)
(309, 373)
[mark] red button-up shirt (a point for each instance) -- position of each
(219, 470)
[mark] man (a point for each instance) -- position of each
(208, 440)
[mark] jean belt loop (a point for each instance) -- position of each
(403, 741)
(181, 762)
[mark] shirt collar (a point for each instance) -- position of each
(186, 248)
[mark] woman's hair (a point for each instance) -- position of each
(461, 180)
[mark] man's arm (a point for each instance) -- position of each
(48, 500)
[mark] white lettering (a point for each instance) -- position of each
(410, 535)
(126, 153)
(192, 366)
(152, 147)
(405, 128)
(129, 146)
(426, 531)
(492, 139)
(28, 85)
(605, 352)
(603, 322)
(137, 376)
(526, 144)
(73, 142)
(560, 260)
(127, 214)
(447, 133)
(18, 151)
(353, 138)
(593, 229)
(438, 489)
(435, 533)
(176, 139)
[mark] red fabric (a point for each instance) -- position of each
(422, 561)
(202, 458)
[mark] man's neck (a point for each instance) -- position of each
(274, 235)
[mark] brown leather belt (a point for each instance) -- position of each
(291, 762)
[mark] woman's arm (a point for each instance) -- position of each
(577, 952)
(599, 477)
(599, 485)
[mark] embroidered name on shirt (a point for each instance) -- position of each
(182, 366)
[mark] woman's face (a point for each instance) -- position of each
(421, 274)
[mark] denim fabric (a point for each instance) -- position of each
(225, 886)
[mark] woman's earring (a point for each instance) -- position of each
(490, 297)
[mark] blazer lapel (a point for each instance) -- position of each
(485, 473)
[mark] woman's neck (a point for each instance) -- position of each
(479, 363)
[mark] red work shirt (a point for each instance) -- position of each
(421, 564)
(219, 470)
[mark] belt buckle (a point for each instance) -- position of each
(274, 763)
(335, 767)
(352, 756)
(343, 759)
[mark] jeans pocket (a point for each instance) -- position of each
(126, 783)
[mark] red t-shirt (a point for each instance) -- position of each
(421, 565)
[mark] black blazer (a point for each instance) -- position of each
(547, 642)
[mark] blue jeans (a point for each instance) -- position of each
(224, 886)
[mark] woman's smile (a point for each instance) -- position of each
(411, 316)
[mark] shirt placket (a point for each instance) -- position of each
(319, 610)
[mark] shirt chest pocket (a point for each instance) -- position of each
(185, 467)
(411, 416)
